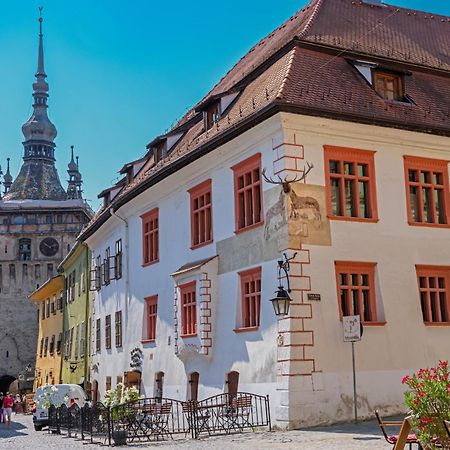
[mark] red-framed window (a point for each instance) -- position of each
(201, 214)
(108, 331)
(356, 290)
(150, 237)
(427, 191)
(188, 309)
(250, 297)
(248, 198)
(151, 314)
(434, 285)
(118, 324)
(350, 184)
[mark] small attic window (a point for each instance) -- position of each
(130, 175)
(106, 199)
(159, 151)
(388, 85)
(212, 115)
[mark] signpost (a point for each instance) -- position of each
(352, 333)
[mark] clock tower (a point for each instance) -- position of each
(39, 221)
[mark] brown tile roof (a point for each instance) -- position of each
(391, 32)
(313, 80)
(320, 82)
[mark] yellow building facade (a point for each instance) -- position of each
(49, 298)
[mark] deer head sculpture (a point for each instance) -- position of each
(285, 183)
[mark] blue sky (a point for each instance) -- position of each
(120, 73)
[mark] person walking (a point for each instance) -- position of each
(18, 404)
(1, 407)
(8, 402)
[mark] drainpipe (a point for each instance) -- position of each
(127, 263)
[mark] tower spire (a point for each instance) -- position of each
(40, 67)
(39, 129)
(38, 177)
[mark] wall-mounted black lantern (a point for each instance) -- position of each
(281, 302)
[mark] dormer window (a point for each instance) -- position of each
(130, 175)
(106, 199)
(388, 85)
(159, 151)
(212, 115)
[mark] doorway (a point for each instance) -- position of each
(5, 382)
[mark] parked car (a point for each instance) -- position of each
(55, 394)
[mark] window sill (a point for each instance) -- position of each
(246, 329)
(373, 324)
(184, 336)
(353, 219)
(437, 324)
(203, 244)
(250, 227)
(150, 263)
(148, 341)
(426, 224)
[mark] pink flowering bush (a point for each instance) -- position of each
(428, 399)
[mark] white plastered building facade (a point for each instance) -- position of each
(301, 361)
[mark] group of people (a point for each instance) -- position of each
(8, 405)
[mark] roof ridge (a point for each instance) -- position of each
(311, 20)
(318, 3)
(280, 94)
(420, 11)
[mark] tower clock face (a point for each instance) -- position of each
(49, 246)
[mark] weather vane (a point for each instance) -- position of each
(40, 19)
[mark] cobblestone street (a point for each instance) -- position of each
(365, 436)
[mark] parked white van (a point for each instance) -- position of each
(55, 394)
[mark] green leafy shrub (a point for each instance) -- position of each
(428, 399)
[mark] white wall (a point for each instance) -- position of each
(386, 353)
(252, 354)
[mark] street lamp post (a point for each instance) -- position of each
(281, 301)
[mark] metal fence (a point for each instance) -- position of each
(153, 419)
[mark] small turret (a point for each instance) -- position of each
(75, 181)
(7, 179)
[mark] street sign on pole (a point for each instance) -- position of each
(352, 328)
(352, 333)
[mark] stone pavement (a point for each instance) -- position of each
(364, 436)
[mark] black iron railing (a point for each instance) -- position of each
(158, 418)
(232, 413)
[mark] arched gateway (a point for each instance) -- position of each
(5, 382)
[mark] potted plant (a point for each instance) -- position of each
(116, 400)
(428, 399)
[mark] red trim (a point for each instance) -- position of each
(188, 309)
(355, 289)
(352, 156)
(246, 330)
(150, 237)
(151, 315)
(250, 281)
(434, 294)
(201, 214)
(248, 194)
(431, 167)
